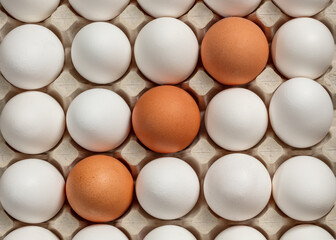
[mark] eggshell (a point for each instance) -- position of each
(304, 188)
(236, 119)
(32, 122)
(169, 232)
(31, 56)
(167, 188)
(101, 232)
(303, 47)
(301, 8)
(98, 120)
(307, 232)
(166, 119)
(99, 10)
(237, 187)
(32, 191)
(99, 188)
(31, 233)
(166, 51)
(166, 8)
(101, 52)
(239, 233)
(230, 8)
(30, 11)
(234, 51)
(301, 112)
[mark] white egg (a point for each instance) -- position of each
(240, 233)
(101, 52)
(307, 232)
(101, 232)
(166, 8)
(32, 122)
(237, 187)
(236, 119)
(303, 47)
(301, 8)
(30, 11)
(166, 51)
(301, 112)
(31, 56)
(31, 233)
(304, 188)
(98, 120)
(32, 191)
(231, 8)
(167, 188)
(169, 232)
(99, 10)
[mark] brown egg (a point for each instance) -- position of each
(99, 188)
(166, 119)
(234, 51)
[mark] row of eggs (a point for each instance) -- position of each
(104, 10)
(99, 188)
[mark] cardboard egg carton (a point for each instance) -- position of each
(201, 221)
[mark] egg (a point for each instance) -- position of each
(239, 233)
(301, 112)
(99, 10)
(31, 56)
(169, 232)
(31, 233)
(32, 191)
(101, 52)
(101, 232)
(307, 232)
(237, 187)
(98, 120)
(236, 119)
(99, 188)
(32, 122)
(166, 51)
(304, 188)
(229, 8)
(303, 47)
(30, 11)
(167, 188)
(166, 119)
(301, 8)
(234, 51)
(166, 8)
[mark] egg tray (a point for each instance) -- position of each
(201, 221)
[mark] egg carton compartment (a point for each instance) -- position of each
(201, 221)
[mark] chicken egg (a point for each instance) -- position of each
(101, 232)
(31, 233)
(307, 232)
(169, 232)
(240, 233)
(231, 8)
(301, 8)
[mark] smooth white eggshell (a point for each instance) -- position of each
(233, 8)
(237, 187)
(301, 112)
(307, 232)
(236, 119)
(99, 10)
(303, 47)
(166, 8)
(31, 56)
(304, 188)
(32, 191)
(31, 233)
(167, 188)
(166, 51)
(101, 52)
(240, 233)
(30, 11)
(32, 122)
(98, 120)
(169, 232)
(301, 8)
(101, 232)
